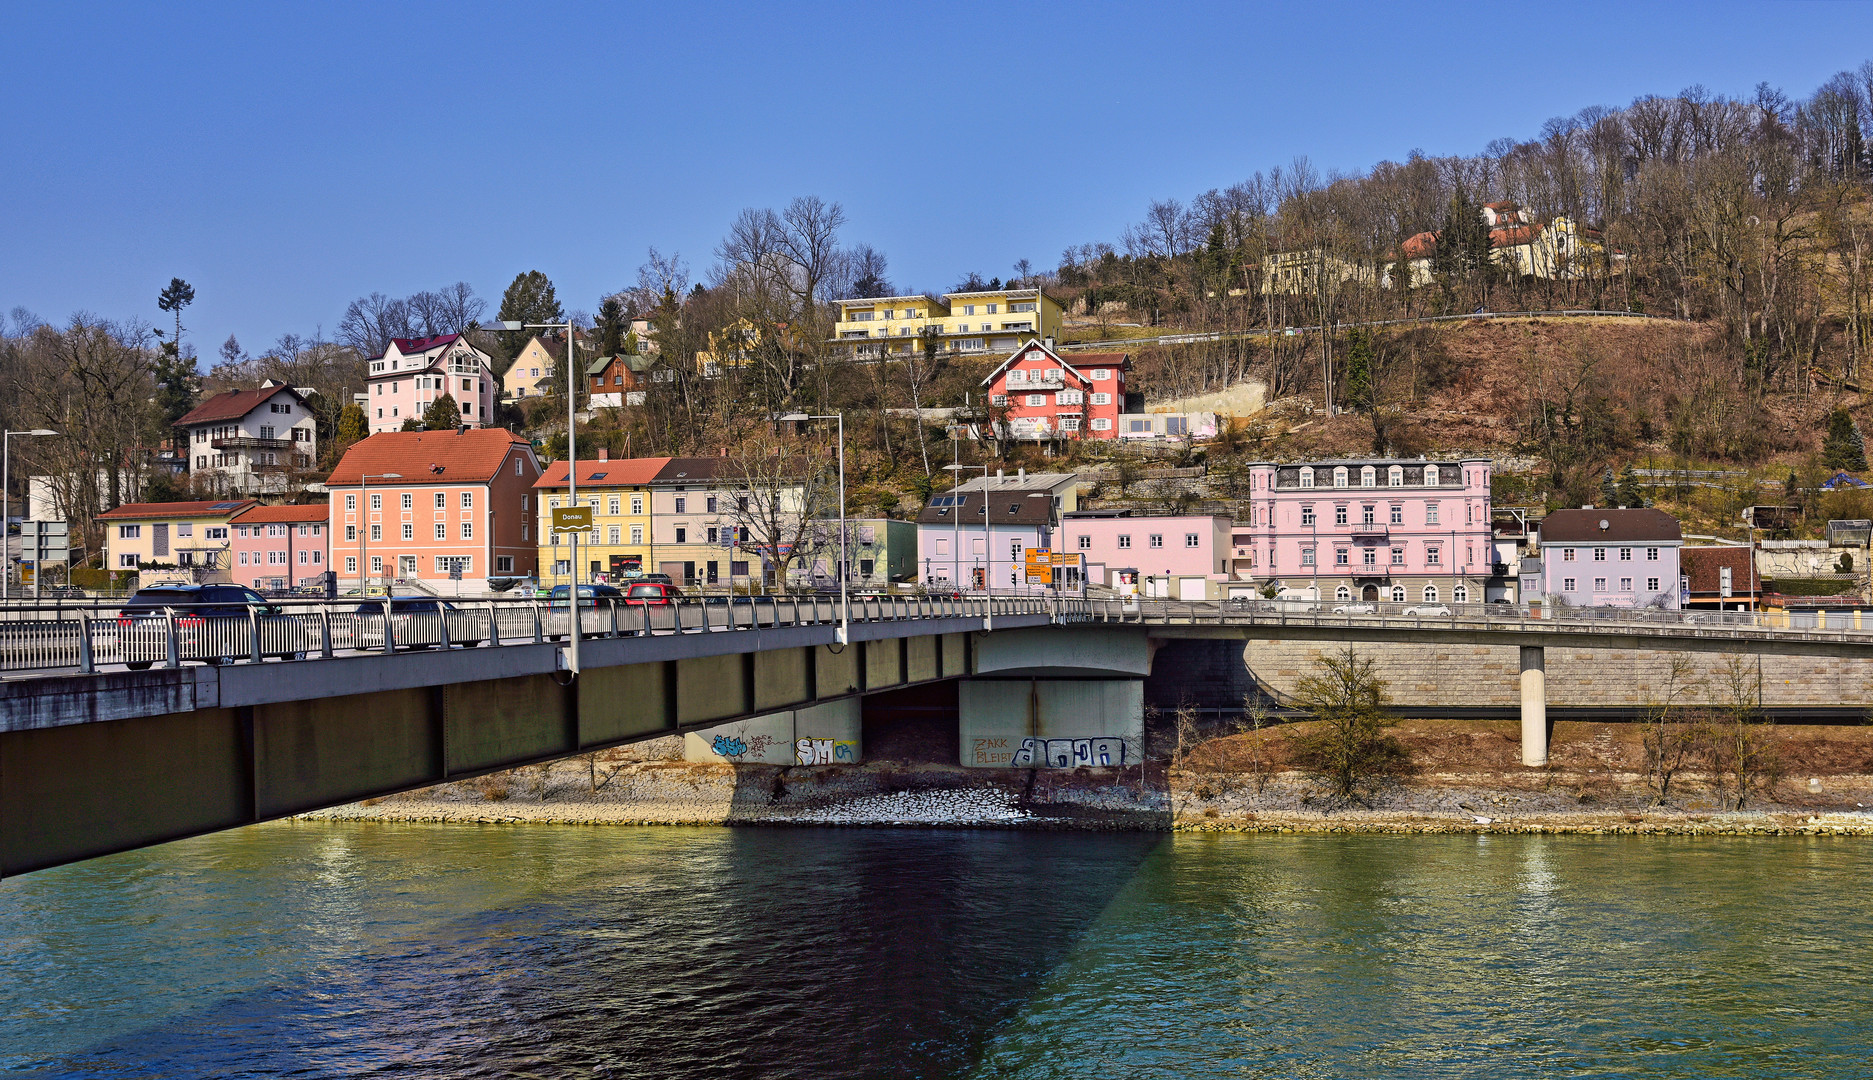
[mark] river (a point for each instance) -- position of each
(324, 949)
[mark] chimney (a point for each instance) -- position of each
(1021, 474)
(1049, 342)
(998, 474)
(604, 454)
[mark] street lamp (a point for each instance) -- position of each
(572, 483)
(845, 607)
(364, 524)
(6, 513)
(988, 542)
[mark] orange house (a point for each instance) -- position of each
(445, 509)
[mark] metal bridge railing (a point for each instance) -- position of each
(81, 637)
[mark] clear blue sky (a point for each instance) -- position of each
(285, 160)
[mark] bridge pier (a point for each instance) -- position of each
(1534, 706)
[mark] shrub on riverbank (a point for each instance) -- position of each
(1353, 743)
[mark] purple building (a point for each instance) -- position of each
(1368, 530)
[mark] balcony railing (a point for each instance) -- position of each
(246, 442)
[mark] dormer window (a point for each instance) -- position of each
(1368, 477)
(1395, 476)
(1339, 476)
(1307, 476)
(1430, 476)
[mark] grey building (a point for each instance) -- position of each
(1611, 558)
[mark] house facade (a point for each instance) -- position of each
(1176, 556)
(413, 373)
(280, 547)
(962, 322)
(171, 542)
(531, 373)
(972, 539)
(613, 382)
(701, 509)
(619, 546)
(880, 552)
(434, 509)
(1369, 530)
(1611, 558)
(1041, 394)
(1719, 578)
(249, 442)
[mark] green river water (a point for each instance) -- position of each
(324, 949)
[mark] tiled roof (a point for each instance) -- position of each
(1583, 526)
(199, 508)
(1005, 508)
(233, 404)
(1421, 246)
(265, 514)
(406, 346)
(428, 457)
(617, 472)
(1096, 359)
(1521, 234)
(1701, 565)
(689, 470)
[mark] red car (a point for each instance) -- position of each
(651, 594)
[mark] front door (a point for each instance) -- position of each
(1369, 594)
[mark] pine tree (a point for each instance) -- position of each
(443, 414)
(1844, 447)
(174, 370)
(529, 299)
(613, 326)
(1630, 493)
(1609, 490)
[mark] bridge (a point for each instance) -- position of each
(118, 732)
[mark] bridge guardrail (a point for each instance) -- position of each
(84, 637)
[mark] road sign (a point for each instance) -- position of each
(1066, 558)
(572, 518)
(45, 541)
(1040, 566)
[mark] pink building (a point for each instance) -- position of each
(413, 372)
(1370, 529)
(1179, 556)
(279, 547)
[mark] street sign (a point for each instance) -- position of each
(45, 542)
(572, 518)
(1040, 566)
(1066, 558)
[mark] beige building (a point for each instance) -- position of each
(531, 374)
(171, 542)
(1295, 273)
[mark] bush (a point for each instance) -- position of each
(1353, 744)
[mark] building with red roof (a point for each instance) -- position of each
(413, 373)
(1041, 394)
(280, 547)
(248, 442)
(435, 509)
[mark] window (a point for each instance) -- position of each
(1432, 556)
(468, 530)
(1398, 594)
(468, 500)
(351, 532)
(1192, 540)
(709, 535)
(1086, 543)
(1599, 554)
(1307, 556)
(442, 530)
(1125, 541)
(1430, 594)
(1017, 375)
(351, 502)
(1069, 423)
(614, 535)
(682, 535)
(1395, 476)
(1398, 556)
(1102, 399)
(1651, 584)
(1430, 513)
(1339, 514)
(613, 505)
(1367, 477)
(1625, 554)
(1365, 514)
(377, 564)
(442, 501)
(1567, 554)
(1430, 476)
(1342, 593)
(503, 564)
(1037, 399)
(1102, 423)
(129, 532)
(1651, 554)
(1157, 540)
(1339, 476)
(377, 502)
(1307, 514)
(682, 504)
(1369, 557)
(1101, 374)
(1341, 556)
(377, 532)
(518, 462)
(1307, 477)
(406, 500)
(351, 564)
(409, 531)
(1599, 584)
(1625, 584)
(1567, 584)
(637, 534)
(1461, 594)
(1014, 551)
(637, 504)
(1398, 514)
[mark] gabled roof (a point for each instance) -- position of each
(619, 472)
(406, 345)
(234, 404)
(261, 515)
(1016, 356)
(1004, 508)
(1583, 526)
(692, 470)
(429, 457)
(198, 508)
(1702, 567)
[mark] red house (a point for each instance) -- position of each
(1041, 394)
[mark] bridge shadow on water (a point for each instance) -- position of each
(555, 951)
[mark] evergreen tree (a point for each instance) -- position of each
(1357, 380)
(411, 423)
(1844, 447)
(443, 414)
(177, 381)
(613, 326)
(529, 299)
(1630, 493)
(1609, 490)
(352, 426)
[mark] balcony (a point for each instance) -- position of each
(243, 442)
(1371, 529)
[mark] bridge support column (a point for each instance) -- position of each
(1040, 723)
(1534, 706)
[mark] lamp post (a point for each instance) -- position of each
(845, 605)
(364, 523)
(988, 542)
(572, 483)
(6, 513)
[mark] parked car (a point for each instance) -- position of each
(590, 596)
(214, 624)
(1427, 609)
(652, 594)
(1355, 609)
(416, 623)
(654, 579)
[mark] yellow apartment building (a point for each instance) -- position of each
(967, 323)
(171, 542)
(620, 545)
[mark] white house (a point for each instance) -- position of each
(413, 372)
(248, 441)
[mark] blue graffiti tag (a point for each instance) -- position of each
(729, 746)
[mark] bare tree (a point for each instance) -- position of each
(786, 488)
